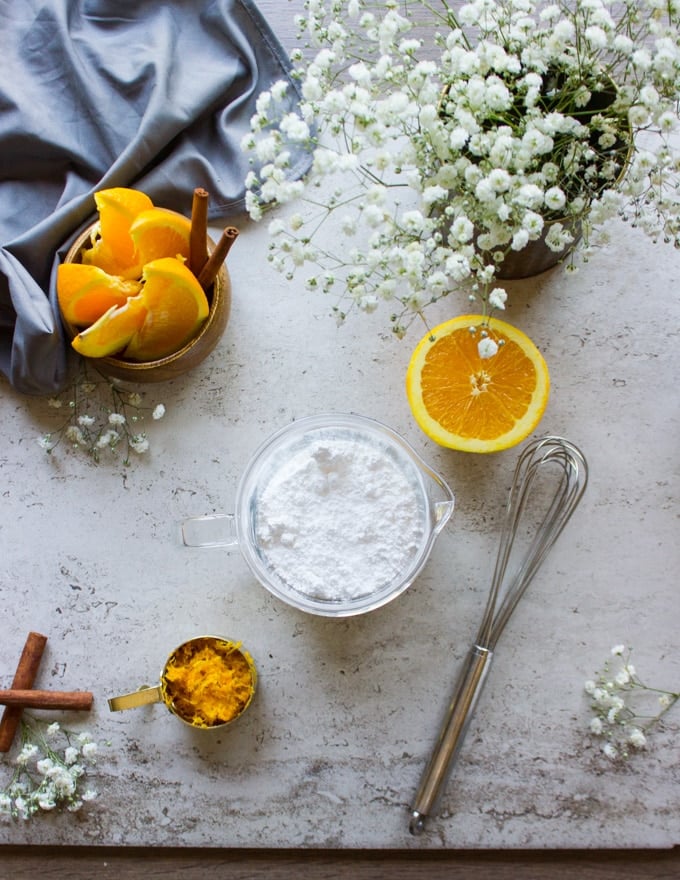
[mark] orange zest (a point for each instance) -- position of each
(464, 401)
(208, 681)
(86, 292)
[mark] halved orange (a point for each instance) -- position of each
(176, 307)
(112, 332)
(464, 401)
(159, 232)
(113, 249)
(86, 292)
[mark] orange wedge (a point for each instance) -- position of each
(176, 306)
(86, 292)
(113, 331)
(464, 401)
(113, 249)
(159, 232)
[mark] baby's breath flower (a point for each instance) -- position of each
(44, 766)
(28, 751)
(108, 438)
(71, 755)
(101, 416)
(487, 347)
(74, 435)
(139, 443)
(45, 779)
(610, 751)
(89, 751)
(497, 298)
(616, 698)
(475, 144)
(637, 738)
(596, 726)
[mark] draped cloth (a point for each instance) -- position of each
(103, 93)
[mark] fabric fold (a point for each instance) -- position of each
(103, 93)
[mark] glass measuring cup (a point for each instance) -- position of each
(207, 682)
(321, 454)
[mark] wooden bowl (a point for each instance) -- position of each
(179, 362)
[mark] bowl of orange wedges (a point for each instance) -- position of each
(143, 292)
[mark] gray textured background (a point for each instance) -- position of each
(332, 749)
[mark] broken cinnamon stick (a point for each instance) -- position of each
(25, 675)
(34, 699)
(217, 257)
(198, 237)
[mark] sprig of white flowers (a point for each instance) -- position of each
(616, 720)
(44, 778)
(433, 159)
(100, 415)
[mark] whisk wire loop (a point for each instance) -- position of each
(572, 478)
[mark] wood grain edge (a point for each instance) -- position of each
(84, 863)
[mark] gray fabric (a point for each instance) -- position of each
(101, 93)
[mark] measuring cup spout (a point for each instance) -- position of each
(442, 509)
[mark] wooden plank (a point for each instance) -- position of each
(84, 863)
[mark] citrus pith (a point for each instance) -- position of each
(464, 401)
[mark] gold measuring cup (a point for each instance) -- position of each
(207, 682)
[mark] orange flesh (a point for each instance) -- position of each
(472, 397)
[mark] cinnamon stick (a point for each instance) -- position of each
(34, 699)
(198, 237)
(25, 675)
(217, 257)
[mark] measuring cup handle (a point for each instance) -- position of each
(142, 697)
(212, 530)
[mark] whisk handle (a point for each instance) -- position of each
(454, 727)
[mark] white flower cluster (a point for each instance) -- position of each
(435, 157)
(94, 423)
(43, 778)
(616, 721)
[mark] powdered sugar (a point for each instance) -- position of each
(341, 518)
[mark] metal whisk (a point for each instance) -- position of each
(571, 478)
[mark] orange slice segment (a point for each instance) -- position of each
(464, 401)
(114, 250)
(176, 306)
(158, 233)
(86, 292)
(112, 332)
